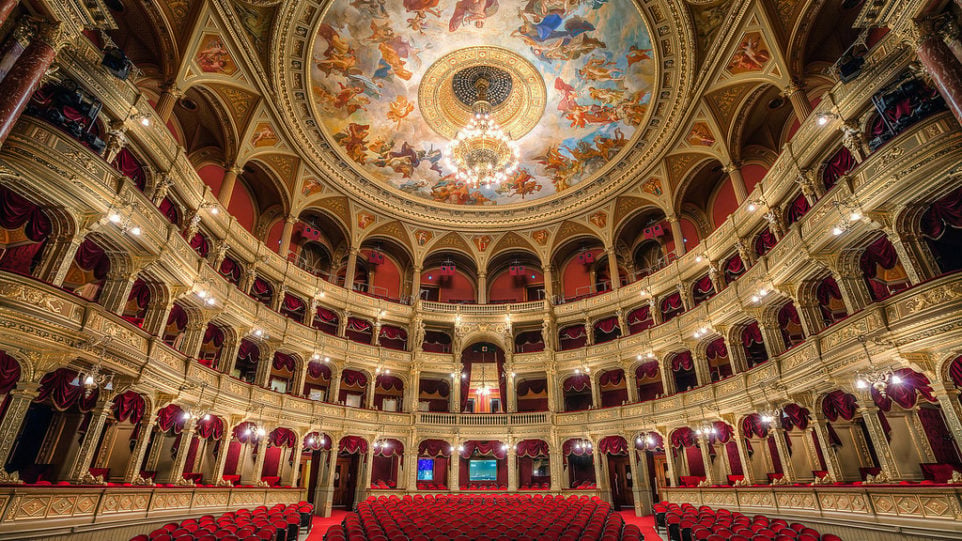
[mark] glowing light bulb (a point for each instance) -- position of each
(861, 383)
(896, 379)
(752, 207)
(215, 211)
(855, 216)
(836, 230)
(114, 217)
(136, 231)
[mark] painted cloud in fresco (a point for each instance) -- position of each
(595, 56)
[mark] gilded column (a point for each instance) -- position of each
(482, 287)
(781, 447)
(887, 463)
(832, 465)
(555, 462)
(57, 257)
(351, 268)
(639, 496)
(169, 94)
(631, 382)
(951, 410)
(19, 400)
(285, 246)
(25, 75)
(79, 470)
(410, 466)
(706, 460)
(136, 461)
(677, 236)
(217, 474)
(747, 471)
(455, 483)
(670, 462)
(176, 473)
(734, 172)
(596, 457)
(595, 391)
(252, 474)
(512, 458)
(795, 92)
(613, 268)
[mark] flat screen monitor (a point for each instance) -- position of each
(483, 470)
(425, 469)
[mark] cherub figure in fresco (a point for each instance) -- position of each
(566, 49)
(382, 33)
(599, 69)
(467, 12)
(400, 108)
(263, 134)
(421, 10)
(214, 58)
(374, 8)
(521, 183)
(632, 111)
(350, 99)
(583, 115)
(339, 57)
(354, 141)
(751, 54)
(636, 55)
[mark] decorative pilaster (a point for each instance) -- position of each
(512, 458)
(285, 246)
(482, 287)
(631, 383)
(410, 466)
(136, 461)
(951, 410)
(555, 463)
(677, 236)
(252, 474)
(217, 474)
(747, 471)
(351, 268)
(613, 269)
(781, 447)
(795, 92)
(455, 465)
(595, 391)
(176, 473)
(19, 401)
(820, 428)
(168, 98)
(704, 447)
(887, 463)
(78, 472)
(638, 472)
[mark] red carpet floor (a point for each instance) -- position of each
(321, 524)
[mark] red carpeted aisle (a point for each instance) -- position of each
(646, 524)
(321, 524)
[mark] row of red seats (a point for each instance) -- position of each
(686, 523)
(278, 523)
(468, 517)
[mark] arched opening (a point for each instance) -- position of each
(648, 377)
(797, 209)
(795, 421)
(317, 383)
(882, 270)
(293, 307)
(725, 464)
(483, 382)
(613, 387)
(830, 302)
(643, 236)
(649, 257)
(572, 337)
(212, 346)
(359, 330)
(205, 446)
(640, 319)
(351, 455)
(385, 464)
(483, 465)
(24, 230)
(836, 166)
(392, 337)
(353, 389)
(764, 242)
(434, 456)
(702, 289)
(576, 261)
(671, 306)
(325, 321)
(245, 366)
(176, 328)
(615, 451)
(790, 325)
(719, 363)
(316, 237)
(653, 464)
(534, 471)
(231, 270)
(434, 394)
(121, 432)
(281, 377)
(941, 226)
(683, 370)
(262, 291)
(606, 330)
(170, 427)
(513, 277)
(44, 449)
(532, 393)
(200, 244)
(847, 436)
(282, 444)
(709, 195)
(388, 393)
(436, 341)
(733, 268)
(135, 309)
(381, 268)
(689, 465)
(576, 391)
(754, 346)
(315, 458)
(449, 277)
(764, 460)
(88, 271)
(529, 341)
(579, 464)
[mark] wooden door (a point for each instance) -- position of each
(659, 475)
(345, 481)
(619, 472)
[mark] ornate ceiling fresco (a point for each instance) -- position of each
(382, 84)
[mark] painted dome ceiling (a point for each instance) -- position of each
(388, 89)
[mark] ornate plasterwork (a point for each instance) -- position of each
(294, 29)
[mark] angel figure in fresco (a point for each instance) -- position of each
(400, 108)
(751, 54)
(609, 146)
(472, 11)
(583, 115)
(567, 101)
(380, 147)
(339, 57)
(636, 55)
(393, 59)
(354, 141)
(214, 58)
(349, 98)
(374, 8)
(263, 134)
(421, 10)
(567, 49)
(521, 183)
(599, 69)
(537, 30)
(607, 96)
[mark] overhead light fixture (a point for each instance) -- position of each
(877, 378)
(482, 154)
(92, 380)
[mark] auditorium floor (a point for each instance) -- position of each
(321, 524)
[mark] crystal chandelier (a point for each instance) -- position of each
(482, 154)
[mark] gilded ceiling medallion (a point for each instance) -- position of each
(582, 74)
(446, 93)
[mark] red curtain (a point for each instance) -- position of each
(200, 244)
(316, 441)
(171, 418)
(752, 335)
(529, 341)
(436, 386)
(671, 302)
(293, 304)
(657, 443)
(828, 290)
(683, 437)
(573, 333)
(353, 378)
(723, 433)
(611, 377)
(905, 393)
(393, 448)
(91, 257)
(483, 448)
(282, 437)
(358, 325)
(283, 361)
(130, 167)
(788, 314)
(955, 371)
(177, 317)
(639, 319)
(608, 325)
(734, 267)
(327, 316)
(839, 404)
(613, 445)
(17, 212)
(579, 383)
(880, 253)
(752, 425)
(58, 387)
(841, 163)
(702, 289)
(211, 428)
(262, 289)
(793, 416)
(129, 406)
(716, 350)
(434, 448)
(570, 447)
(318, 370)
(389, 383)
(9, 373)
(532, 448)
(249, 352)
(797, 209)
(944, 212)
(230, 270)
(765, 242)
(682, 361)
(647, 370)
(246, 432)
(213, 335)
(169, 210)
(393, 333)
(352, 445)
